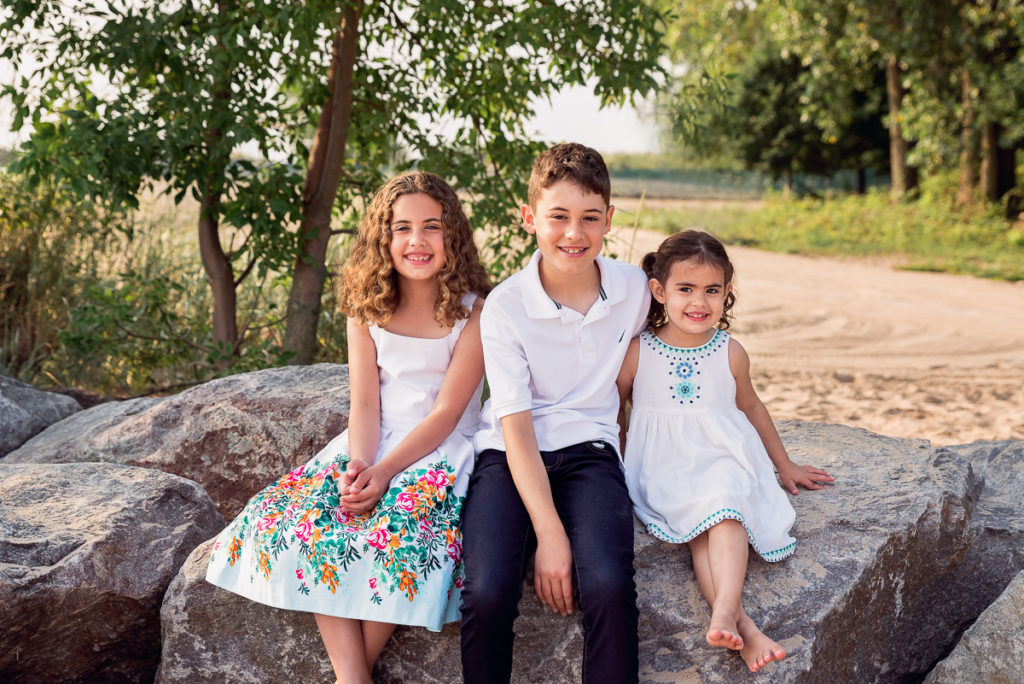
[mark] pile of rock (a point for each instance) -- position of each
(893, 563)
(26, 411)
(233, 435)
(86, 553)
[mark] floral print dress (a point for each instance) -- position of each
(293, 547)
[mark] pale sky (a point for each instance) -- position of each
(574, 115)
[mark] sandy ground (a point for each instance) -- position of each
(900, 353)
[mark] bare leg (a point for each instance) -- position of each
(757, 650)
(701, 567)
(727, 557)
(705, 580)
(343, 639)
(375, 635)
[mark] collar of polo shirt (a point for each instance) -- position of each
(540, 305)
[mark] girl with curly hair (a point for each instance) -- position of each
(701, 446)
(366, 534)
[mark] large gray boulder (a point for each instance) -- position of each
(233, 436)
(25, 411)
(86, 553)
(879, 554)
(997, 520)
(213, 635)
(992, 650)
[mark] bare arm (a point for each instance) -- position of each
(624, 383)
(553, 562)
(747, 401)
(460, 382)
(364, 396)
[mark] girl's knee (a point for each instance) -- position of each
(729, 526)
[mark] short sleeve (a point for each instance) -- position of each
(643, 293)
(505, 363)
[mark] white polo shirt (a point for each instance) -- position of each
(556, 362)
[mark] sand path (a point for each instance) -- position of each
(901, 353)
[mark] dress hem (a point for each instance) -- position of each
(351, 615)
(772, 556)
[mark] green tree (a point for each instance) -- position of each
(952, 77)
(51, 250)
(777, 113)
(991, 94)
(327, 97)
(847, 42)
(712, 45)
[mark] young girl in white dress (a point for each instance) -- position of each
(366, 534)
(699, 453)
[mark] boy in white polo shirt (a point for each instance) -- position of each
(547, 474)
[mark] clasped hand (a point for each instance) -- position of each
(361, 487)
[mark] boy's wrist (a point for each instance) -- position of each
(546, 530)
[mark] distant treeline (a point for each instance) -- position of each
(681, 183)
(907, 88)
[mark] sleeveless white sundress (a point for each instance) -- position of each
(293, 547)
(692, 458)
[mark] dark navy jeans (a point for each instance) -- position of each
(591, 498)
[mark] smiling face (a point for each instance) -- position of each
(570, 224)
(694, 298)
(417, 236)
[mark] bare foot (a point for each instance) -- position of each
(758, 650)
(723, 632)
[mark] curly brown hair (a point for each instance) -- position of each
(702, 247)
(368, 291)
(571, 162)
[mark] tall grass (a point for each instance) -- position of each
(928, 234)
(118, 304)
(52, 250)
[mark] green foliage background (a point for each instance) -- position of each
(100, 275)
(116, 302)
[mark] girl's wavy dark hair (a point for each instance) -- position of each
(368, 291)
(704, 248)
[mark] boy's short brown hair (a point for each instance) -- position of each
(572, 162)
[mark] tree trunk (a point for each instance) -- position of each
(326, 158)
(990, 161)
(218, 272)
(216, 262)
(1007, 171)
(967, 188)
(862, 181)
(900, 170)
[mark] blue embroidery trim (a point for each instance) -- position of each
(772, 556)
(684, 362)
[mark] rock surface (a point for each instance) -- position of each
(998, 520)
(86, 553)
(25, 411)
(880, 553)
(212, 635)
(233, 436)
(992, 650)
